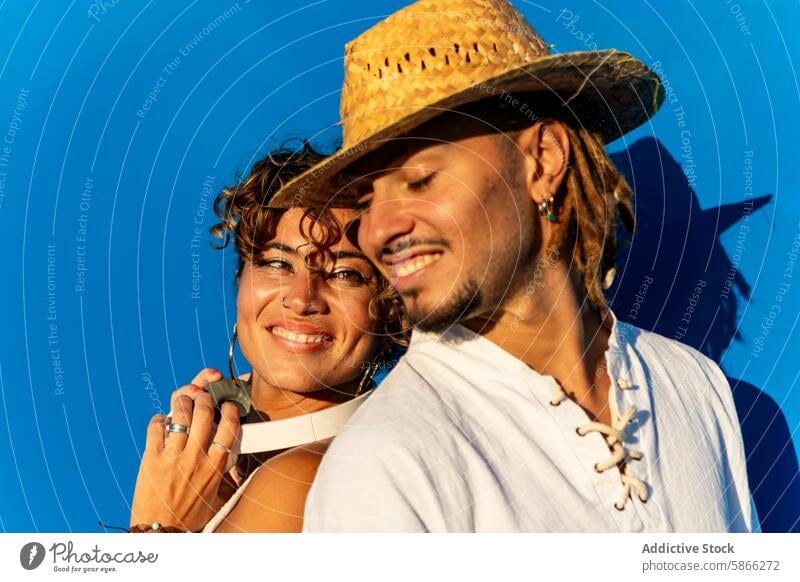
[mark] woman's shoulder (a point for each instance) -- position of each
(293, 465)
(275, 496)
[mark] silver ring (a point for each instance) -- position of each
(224, 448)
(283, 302)
(175, 427)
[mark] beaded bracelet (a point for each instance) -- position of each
(155, 527)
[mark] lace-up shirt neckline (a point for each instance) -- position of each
(615, 433)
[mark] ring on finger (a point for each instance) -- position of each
(223, 447)
(176, 427)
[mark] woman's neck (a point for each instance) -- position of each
(272, 402)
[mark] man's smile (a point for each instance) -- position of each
(401, 270)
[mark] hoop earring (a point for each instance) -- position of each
(382, 356)
(366, 379)
(372, 369)
(547, 208)
(231, 367)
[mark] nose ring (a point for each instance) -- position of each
(283, 301)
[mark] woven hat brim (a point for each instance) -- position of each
(609, 92)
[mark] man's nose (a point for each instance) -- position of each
(387, 221)
(303, 295)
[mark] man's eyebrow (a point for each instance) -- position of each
(400, 151)
(410, 149)
(392, 158)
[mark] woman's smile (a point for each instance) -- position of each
(300, 338)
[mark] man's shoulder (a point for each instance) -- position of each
(375, 456)
(398, 424)
(402, 405)
(668, 351)
(697, 376)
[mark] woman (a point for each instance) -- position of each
(313, 317)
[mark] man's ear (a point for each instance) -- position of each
(545, 145)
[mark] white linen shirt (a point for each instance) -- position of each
(461, 436)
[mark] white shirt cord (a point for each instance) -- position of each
(619, 454)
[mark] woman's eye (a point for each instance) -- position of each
(421, 184)
(349, 276)
(275, 265)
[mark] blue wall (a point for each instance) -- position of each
(120, 120)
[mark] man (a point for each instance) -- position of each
(488, 200)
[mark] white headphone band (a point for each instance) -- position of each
(260, 437)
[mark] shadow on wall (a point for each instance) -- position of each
(677, 279)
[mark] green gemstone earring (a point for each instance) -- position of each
(546, 209)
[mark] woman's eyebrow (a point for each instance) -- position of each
(293, 251)
(350, 255)
(280, 247)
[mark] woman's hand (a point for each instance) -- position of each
(180, 475)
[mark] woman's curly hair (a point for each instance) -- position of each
(246, 219)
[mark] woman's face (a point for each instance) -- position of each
(304, 330)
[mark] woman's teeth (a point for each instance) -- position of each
(414, 264)
(301, 338)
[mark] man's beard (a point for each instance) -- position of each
(457, 307)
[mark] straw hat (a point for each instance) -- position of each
(436, 55)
